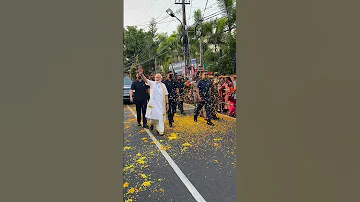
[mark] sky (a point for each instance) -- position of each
(139, 13)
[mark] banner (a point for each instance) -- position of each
(179, 67)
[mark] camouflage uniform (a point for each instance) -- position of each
(202, 112)
(214, 99)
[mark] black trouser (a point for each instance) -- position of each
(172, 109)
(207, 102)
(141, 109)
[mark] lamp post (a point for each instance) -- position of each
(185, 40)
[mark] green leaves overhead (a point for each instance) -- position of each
(149, 45)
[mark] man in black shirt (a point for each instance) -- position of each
(203, 93)
(173, 89)
(140, 100)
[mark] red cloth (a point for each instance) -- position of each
(232, 109)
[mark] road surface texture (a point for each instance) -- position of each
(191, 162)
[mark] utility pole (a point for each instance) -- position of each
(186, 37)
(200, 43)
(198, 30)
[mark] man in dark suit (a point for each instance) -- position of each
(140, 99)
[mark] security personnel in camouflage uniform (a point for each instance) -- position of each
(214, 100)
(203, 91)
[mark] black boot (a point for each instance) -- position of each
(195, 118)
(151, 127)
(139, 124)
(210, 123)
(170, 123)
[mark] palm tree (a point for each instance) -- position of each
(229, 10)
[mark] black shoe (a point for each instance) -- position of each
(145, 126)
(210, 123)
(151, 127)
(170, 124)
(195, 118)
(139, 124)
(216, 118)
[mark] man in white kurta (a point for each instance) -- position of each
(158, 103)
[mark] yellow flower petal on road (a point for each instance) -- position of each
(138, 155)
(143, 139)
(217, 139)
(143, 176)
(141, 160)
(216, 161)
(142, 131)
(130, 191)
(186, 145)
(172, 136)
(130, 167)
(129, 200)
(126, 184)
(161, 140)
(126, 148)
(216, 144)
(146, 184)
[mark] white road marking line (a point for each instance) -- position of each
(177, 170)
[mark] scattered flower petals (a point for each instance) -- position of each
(186, 145)
(146, 184)
(126, 184)
(130, 191)
(172, 136)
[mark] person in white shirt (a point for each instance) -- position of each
(158, 103)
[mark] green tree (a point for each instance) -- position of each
(133, 72)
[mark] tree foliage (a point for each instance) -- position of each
(216, 36)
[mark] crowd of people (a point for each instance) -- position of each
(158, 96)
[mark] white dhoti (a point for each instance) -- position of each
(156, 108)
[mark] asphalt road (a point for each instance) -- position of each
(202, 160)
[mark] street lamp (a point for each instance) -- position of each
(185, 41)
(171, 13)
